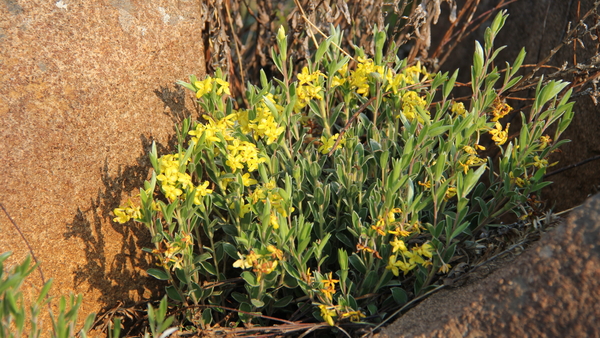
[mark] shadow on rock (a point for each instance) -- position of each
(117, 270)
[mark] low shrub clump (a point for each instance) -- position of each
(340, 192)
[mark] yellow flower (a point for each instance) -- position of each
(247, 180)
(378, 229)
(424, 250)
(545, 140)
(171, 192)
(304, 77)
(445, 268)
(499, 110)
(242, 263)
(396, 266)
(395, 81)
(472, 161)
(458, 108)
(354, 316)
(426, 185)
(330, 282)
(359, 79)
(275, 253)
(470, 150)
(223, 87)
(413, 257)
(410, 101)
(338, 81)
(201, 191)
(274, 221)
(413, 73)
(122, 216)
(328, 143)
(498, 135)
(518, 181)
(451, 192)
(538, 163)
(328, 313)
(398, 244)
(400, 231)
(203, 87)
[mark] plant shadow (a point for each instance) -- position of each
(120, 278)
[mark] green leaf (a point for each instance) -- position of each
(173, 294)
(518, 62)
(477, 61)
(257, 303)
(186, 85)
(399, 295)
(358, 264)
(283, 302)
(498, 22)
(240, 297)
(209, 268)
(250, 278)
(447, 88)
(458, 231)
(230, 250)
(344, 239)
(379, 36)
(158, 274)
(207, 316)
(323, 47)
(181, 276)
(201, 258)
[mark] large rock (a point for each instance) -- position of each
(550, 290)
(85, 87)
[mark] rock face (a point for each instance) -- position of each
(85, 87)
(551, 290)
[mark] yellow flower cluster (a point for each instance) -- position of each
(545, 141)
(174, 182)
(473, 160)
(409, 76)
(269, 192)
(261, 264)
(206, 86)
(410, 101)
(329, 287)
(499, 110)
(264, 124)
(308, 88)
(212, 129)
(125, 213)
(328, 312)
(243, 152)
(409, 258)
(458, 108)
(359, 78)
(498, 135)
(520, 182)
(172, 256)
(327, 143)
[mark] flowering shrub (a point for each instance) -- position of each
(345, 188)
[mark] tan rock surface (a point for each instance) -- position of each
(85, 87)
(551, 290)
